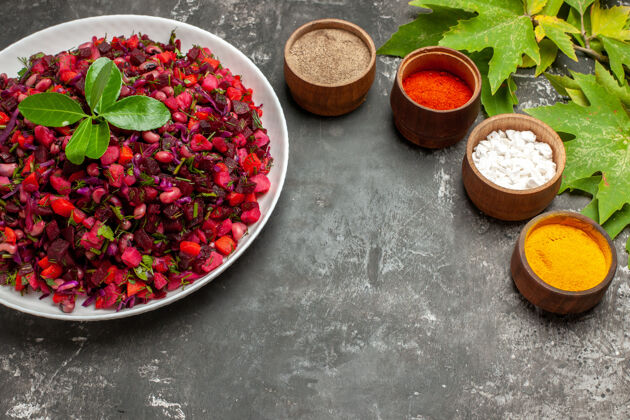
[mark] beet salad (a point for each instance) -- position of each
(159, 208)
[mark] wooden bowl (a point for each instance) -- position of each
(504, 203)
(548, 297)
(428, 127)
(334, 99)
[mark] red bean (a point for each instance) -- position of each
(180, 117)
(31, 80)
(5, 246)
(115, 201)
(98, 194)
(159, 95)
(93, 169)
(43, 85)
(164, 156)
(150, 137)
(7, 169)
(168, 90)
(125, 91)
(170, 196)
(139, 211)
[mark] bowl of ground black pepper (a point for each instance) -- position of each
(436, 96)
(329, 66)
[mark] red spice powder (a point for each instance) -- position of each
(439, 90)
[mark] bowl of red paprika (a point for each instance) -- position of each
(436, 96)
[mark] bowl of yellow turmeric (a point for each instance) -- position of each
(563, 262)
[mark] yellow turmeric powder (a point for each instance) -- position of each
(566, 257)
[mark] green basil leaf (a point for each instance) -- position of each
(51, 109)
(76, 147)
(99, 84)
(111, 88)
(99, 140)
(138, 113)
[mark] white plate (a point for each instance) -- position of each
(68, 36)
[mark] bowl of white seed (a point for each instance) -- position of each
(513, 166)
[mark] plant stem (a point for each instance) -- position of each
(594, 54)
(587, 41)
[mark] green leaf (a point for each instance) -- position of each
(577, 96)
(178, 89)
(110, 90)
(533, 7)
(562, 83)
(588, 185)
(427, 29)
(618, 222)
(619, 55)
(147, 260)
(556, 30)
(75, 149)
(610, 22)
(503, 101)
(527, 61)
(51, 109)
(145, 268)
(500, 25)
(106, 232)
(99, 84)
(580, 5)
(600, 145)
(548, 54)
(138, 113)
(610, 84)
(552, 7)
(99, 140)
(591, 210)
(141, 272)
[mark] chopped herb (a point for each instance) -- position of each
(146, 179)
(256, 119)
(117, 212)
(179, 89)
(106, 232)
(178, 167)
(145, 268)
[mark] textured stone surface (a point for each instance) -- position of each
(375, 291)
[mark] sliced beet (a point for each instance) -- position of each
(137, 57)
(143, 240)
(68, 234)
(104, 47)
(57, 249)
(172, 211)
(52, 230)
(173, 225)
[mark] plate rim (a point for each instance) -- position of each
(208, 278)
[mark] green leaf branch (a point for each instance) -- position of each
(103, 83)
(505, 35)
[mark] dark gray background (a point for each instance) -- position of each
(375, 291)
